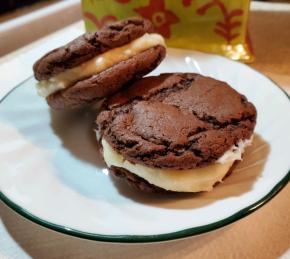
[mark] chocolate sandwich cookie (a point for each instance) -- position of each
(96, 65)
(178, 132)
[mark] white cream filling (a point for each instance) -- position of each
(191, 180)
(235, 152)
(98, 64)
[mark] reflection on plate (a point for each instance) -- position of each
(52, 173)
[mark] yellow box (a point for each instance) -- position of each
(216, 26)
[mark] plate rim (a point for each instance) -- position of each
(156, 237)
(150, 238)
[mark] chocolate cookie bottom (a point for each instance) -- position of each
(108, 81)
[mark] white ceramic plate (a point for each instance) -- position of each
(51, 171)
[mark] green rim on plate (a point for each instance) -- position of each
(150, 238)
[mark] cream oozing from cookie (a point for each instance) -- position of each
(236, 151)
(189, 180)
(98, 64)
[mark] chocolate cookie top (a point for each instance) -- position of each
(178, 121)
(90, 45)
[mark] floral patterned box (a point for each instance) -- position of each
(217, 26)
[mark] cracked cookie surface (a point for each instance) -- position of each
(178, 121)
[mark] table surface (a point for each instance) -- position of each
(263, 234)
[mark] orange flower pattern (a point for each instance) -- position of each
(99, 23)
(161, 17)
(186, 3)
(223, 28)
(123, 1)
